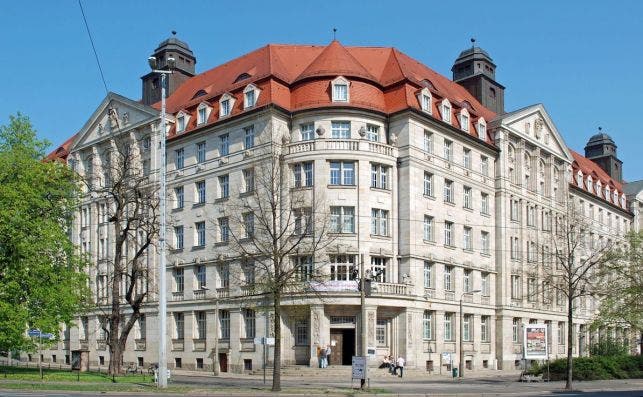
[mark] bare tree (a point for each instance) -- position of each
(282, 231)
(572, 261)
(129, 201)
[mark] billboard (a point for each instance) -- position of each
(535, 342)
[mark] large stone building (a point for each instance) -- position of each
(444, 195)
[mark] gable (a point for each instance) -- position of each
(534, 125)
(115, 113)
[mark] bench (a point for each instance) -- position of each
(531, 378)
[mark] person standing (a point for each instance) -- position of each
(320, 358)
(400, 365)
(328, 353)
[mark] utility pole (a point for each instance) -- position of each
(215, 355)
(362, 298)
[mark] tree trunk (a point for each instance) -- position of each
(276, 373)
(115, 355)
(570, 338)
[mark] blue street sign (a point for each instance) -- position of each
(34, 333)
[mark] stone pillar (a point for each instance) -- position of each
(319, 332)
(236, 325)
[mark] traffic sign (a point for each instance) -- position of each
(36, 333)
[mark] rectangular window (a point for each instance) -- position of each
(224, 275)
(200, 325)
(178, 237)
(342, 267)
(179, 196)
(179, 285)
(448, 191)
(249, 180)
(448, 278)
(342, 219)
(380, 332)
(428, 141)
(466, 239)
(427, 325)
(426, 103)
(372, 133)
(342, 173)
(467, 194)
(464, 122)
(466, 280)
(484, 284)
(378, 269)
(467, 321)
(448, 150)
(303, 221)
(531, 216)
(484, 165)
(304, 269)
(307, 131)
(249, 224)
(142, 328)
(484, 203)
(515, 247)
(484, 243)
(379, 176)
(515, 330)
(301, 332)
(448, 326)
(199, 272)
(250, 98)
(379, 222)
(180, 124)
(428, 184)
(561, 333)
(224, 145)
(448, 234)
(200, 234)
(303, 174)
(179, 159)
(516, 292)
(428, 228)
(340, 92)
(224, 186)
(200, 192)
(224, 230)
(532, 290)
(225, 107)
(466, 158)
(428, 274)
(224, 324)
(515, 210)
(340, 130)
(200, 152)
(179, 326)
(249, 323)
(249, 141)
(484, 329)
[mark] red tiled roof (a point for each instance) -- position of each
(62, 151)
(590, 168)
(297, 77)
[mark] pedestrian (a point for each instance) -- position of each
(391, 365)
(328, 353)
(400, 365)
(320, 359)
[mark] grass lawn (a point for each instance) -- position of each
(56, 375)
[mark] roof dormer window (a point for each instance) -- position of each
(579, 179)
(623, 200)
(482, 128)
(226, 103)
(203, 112)
(445, 109)
(182, 119)
(250, 96)
(424, 97)
(464, 120)
(598, 188)
(615, 197)
(588, 183)
(340, 89)
(608, 197)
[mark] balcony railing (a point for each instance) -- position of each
(199, 294)
(341, 144)
(390, 289)
(177, 296)
(223, 292)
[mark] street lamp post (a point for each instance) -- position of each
(461, 364)
(162, 369)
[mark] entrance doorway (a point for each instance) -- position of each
(344, 350)
(223, 362)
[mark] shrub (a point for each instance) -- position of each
(609, 347)
(592, 368)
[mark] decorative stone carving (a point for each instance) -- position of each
(100, 128)
(113, 118)
(362, 131)
(271, 325)
(371, 327)
(320, 131)
(393, 139)
(409, 326)
(125, 118)
(316, 326)
(527, 128)
(538, 127)
(285, 138)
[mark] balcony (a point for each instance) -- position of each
(198, 294)
(223, 293)
(177, 296)
(390, 289)
(341, 144)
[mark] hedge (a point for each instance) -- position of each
(593, 368)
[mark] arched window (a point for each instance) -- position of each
(425, 100)
(445, 110)
(464, 120)
(579, 179)
(482, 128)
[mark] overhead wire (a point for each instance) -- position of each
(91, 40)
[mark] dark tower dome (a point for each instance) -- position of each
(184, 69)
(601, 149)
(474, 70)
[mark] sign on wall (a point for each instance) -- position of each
(359, 367)
(535, 341)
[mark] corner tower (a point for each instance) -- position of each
(601, 149)
(474, 70)
(184, 69)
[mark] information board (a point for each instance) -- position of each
(359, 367)
(535, 342)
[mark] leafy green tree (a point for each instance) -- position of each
(622, 302)
(42, 284)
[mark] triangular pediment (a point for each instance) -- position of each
(535, 126)
(115, 114)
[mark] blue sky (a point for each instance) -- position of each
(581, 59)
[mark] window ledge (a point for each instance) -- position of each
(340, 234)
(431, 242)
(197, 205)
(176, 250)
(429, 197)
(379, 189)
(246, 194)
(485, 214)
(451, 247)
(380, 237)
(485, 254)
(467, 250)
(451, 203)
(221, 199)
(198, 247)
(342, 186)
(221, 243)
(469, 209)
(178, 209)
(302, 188)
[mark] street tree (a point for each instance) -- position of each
(42, 284)
(622, 304)
(280, 228)
(572, 261)
(129, 197)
